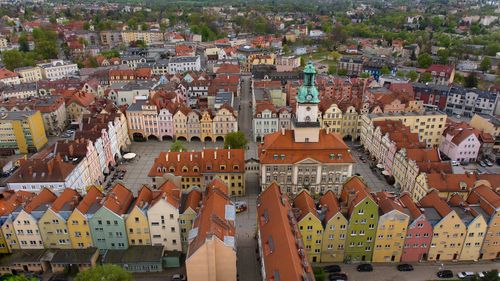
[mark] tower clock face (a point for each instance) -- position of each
(308, 108)
(309, 97)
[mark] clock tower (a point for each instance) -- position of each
(306, 125)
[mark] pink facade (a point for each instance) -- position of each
(165, 123)
(460, 146)
(418, 240)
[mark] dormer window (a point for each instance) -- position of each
(195, 169)
(236, 167)
(282, 156)
(184, 169)
(222, 167)
(172, 169)
(332, 156)
(275, 156)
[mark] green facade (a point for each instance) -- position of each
(361, 231)
(108, 230)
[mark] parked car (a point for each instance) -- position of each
(465, 275)
(178, 277)
(405, 267)
(482, 164)
(445, 274)
(364, 267)
(339, 276)
(241, 206)
(332, 268)
(488, 163)
(455, 163)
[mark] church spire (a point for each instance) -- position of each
(308, 93)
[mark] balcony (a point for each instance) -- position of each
(298, 124)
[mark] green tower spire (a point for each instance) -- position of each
(308, 93)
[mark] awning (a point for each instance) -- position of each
(380, 166)
(129, 156)
(385, 173)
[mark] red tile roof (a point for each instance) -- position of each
(408, 203)
(486, 197)
(432, 200)
(305, 203)
(228, 68)
(118, 199)
(438, 68)
(387, 202)
(211, 220)
(278, 234)
(69, 198)
(93, 196)
(44, 197)
(5, 73)
(354, 191)
(11, 200)
(283, 144)
(330, 202)
(192, 201)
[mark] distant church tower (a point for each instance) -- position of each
(306, 125)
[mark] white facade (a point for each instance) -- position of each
(264, 123)
(183, 64)
(58, 69)
(164, 225)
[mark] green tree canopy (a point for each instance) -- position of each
(364, 75)
(412, 75)
(332, 69)
(106, 272)
(342, 72)
(424, 60)
(485, 64)
(177, 146)
(235, 140)
(426, 77)
(471, 81)
(20, 278)
(385, 70)
(12, 59)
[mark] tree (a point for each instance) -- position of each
(485, 64)
(426, 77)
(332, 69)
(177, 146)
(12, 59)
(235, 140)
(342, 72)
(335, 55)
(471, 81)
(424, 60)
(385, 70)
(106, 272)
(412, 75)
(144, 27)
(443, 55)
(23, 43)
(364, 75)
(400, 73)
(459, 79)
(86, 25)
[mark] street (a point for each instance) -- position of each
(422, 272)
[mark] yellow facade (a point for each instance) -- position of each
(186, 220)
(23, 131)
(4, 248)
(312, 235)
(189, 182)
(137, 228)
(9, 235)
(54, 231)
(27, 231)
(350, 123)
(234, 181)
(79, 230)
(334, 235)
(391, 233)
(448, 238)
(206, 126)
(476, 230)
(332, 119)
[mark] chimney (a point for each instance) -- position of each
(202, 154)
(30, 170)
(191, 156)
(215, 154)
(166, 156)
(350, 197)
(178, 157)
(282, 131)
(229, 153)
(50, 167)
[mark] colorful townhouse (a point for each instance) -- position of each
(419, 232)
(484, 200)
(280, 243)
(362, 212)
(78, 221)
(26, 223)
(22, 132)
(391, 229)
(190, 205)
(163, 217)
(211, 254)
(136, 223)
(334, 228)
(10, 206)
(310, 225)
(448, 229)
(475, 225)
(53, 223)
(107, 225)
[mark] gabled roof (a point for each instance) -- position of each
(45, 197)
(211, 220)
(11, 200)
(432, 200)
(118, 199)
(67, 200)
(353, 192)
(330, 205)
(282, 258)
(487, 199)
(92, 200)
(170, 192)
(305, 203)
(387, 202)
(408, 203)
(192, 201)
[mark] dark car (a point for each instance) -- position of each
(365, 267)
(58, 277)
(337, 276)
(405, 267)
(332, 268)
(445, 274)
(178, 277)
